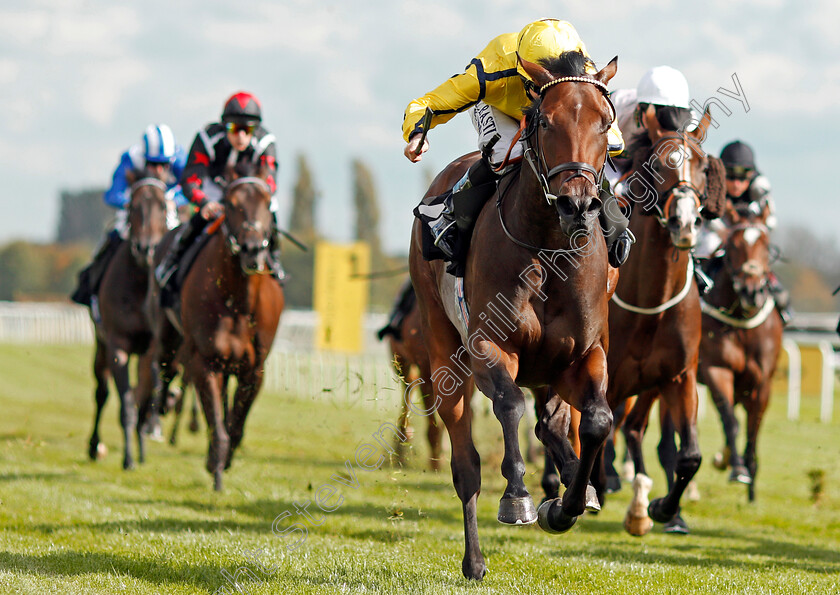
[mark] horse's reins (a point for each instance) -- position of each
(539, 165)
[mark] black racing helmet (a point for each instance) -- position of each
(242, 108)
(738, 154)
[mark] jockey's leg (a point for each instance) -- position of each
(167, 268)
(274, 247)
(781, 297)
(403, 306)
(91, 276)
(614, 224)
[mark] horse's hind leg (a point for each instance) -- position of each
(680, 397)
(101, 374)
(586, 384)
(667, 451)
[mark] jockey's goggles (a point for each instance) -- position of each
(739, 172)
(237, 127)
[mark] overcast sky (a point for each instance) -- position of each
(82, 79)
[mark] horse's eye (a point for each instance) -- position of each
(543, 123)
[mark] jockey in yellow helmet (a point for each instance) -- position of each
(496, 90)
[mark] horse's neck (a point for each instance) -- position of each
(723, 295)
(527, 215)
(656, 269)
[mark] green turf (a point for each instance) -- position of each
(72, 526)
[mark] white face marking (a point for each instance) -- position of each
(751, 235)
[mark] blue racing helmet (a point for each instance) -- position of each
(159, 144)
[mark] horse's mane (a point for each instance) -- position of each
(572, 63)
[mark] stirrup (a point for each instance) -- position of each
(442, 241)
(164, 274)
(704, 282)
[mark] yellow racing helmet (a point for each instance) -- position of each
(547, 38)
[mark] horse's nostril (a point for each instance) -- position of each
(564, 206)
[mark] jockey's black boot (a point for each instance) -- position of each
(614, 224)
(167, 268)
(404, 304)
(781, 297)
(452, 228)
(274, 248)
(704, 281)
(91, 276)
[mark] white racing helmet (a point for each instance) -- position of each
(663, 85)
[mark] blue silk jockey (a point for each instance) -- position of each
(158, 150)
(496, 90)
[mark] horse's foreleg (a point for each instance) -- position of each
(144, 394)
(587, 385)
(636, 520)
(243, 399)
(755, 413)
(516, 506)
(433, 432)
(209, 386)
(118, 363)
(101, 373)
(680, 397)
(721, 383)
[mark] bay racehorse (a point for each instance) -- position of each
(121, 325)
(230, 306)
(655, 311)
(535, 308)
(742, 338)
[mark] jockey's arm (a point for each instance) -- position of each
(117, 195)
(195, 172)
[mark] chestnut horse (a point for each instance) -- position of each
(742, 338)
(229, 314)
(655, 311)
(121, 325)
(410, 360)
(536, 291)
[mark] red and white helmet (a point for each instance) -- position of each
(242, 107)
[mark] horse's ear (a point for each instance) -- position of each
(651, 123)
(700, 131)
(230, 173)
(607, 72)
(538, 74)
(715, 203)
(131, 176)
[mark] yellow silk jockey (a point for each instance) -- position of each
(496, 90)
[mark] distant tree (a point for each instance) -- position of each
(304, 199)
(83, 216)
(39, 271)
(367, 211)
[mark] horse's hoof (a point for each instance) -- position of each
(677, 526)
(517, 511)
(592, 503)
(474, 570)
(194, 426)
(656, 512)
(638, 526)
(98, 452)
(217, 481)
(551, 518)
(721, 460)
(613, 484)
(740, 475)
(128, 465)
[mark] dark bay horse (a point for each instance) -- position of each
(742, 338)
(536, 287)
(122, 326)
(229, 314)
(655, 311)
(410, 359)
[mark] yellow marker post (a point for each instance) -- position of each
(341, 295)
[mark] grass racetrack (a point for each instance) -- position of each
(72, 526)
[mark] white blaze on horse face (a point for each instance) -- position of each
(751, 235)
(686, 213)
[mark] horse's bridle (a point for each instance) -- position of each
(748, 267)
(142, 182)
(683, 181)
(233, 244)
(579, 168)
